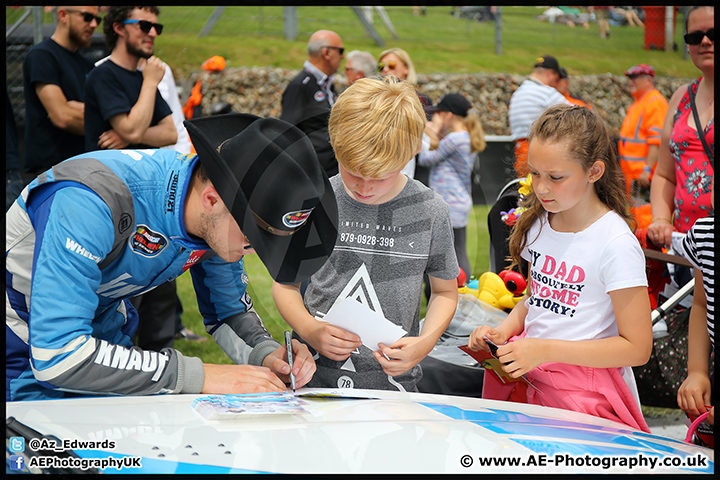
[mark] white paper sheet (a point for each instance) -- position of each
(371, 327)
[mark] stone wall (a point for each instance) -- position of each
(258, 90)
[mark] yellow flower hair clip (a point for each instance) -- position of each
(526, 187)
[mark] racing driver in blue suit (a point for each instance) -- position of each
(102, 227)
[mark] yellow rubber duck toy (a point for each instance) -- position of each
(491, 289)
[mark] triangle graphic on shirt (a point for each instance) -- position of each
(361, 289)
(349, 366)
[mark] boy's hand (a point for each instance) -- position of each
(331, 341)
(522, 355)
(403, 354)
(303, 364)
(476, 342)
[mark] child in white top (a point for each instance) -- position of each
(586, 318)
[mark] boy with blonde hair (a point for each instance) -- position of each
(391, 230)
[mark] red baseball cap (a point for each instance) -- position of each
(642, 69)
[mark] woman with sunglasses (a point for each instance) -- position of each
(681, 188)
(397, 62)
(681, 193)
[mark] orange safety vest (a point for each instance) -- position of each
(641, 127)
(193, 101)
(193, 106)
(521, 157)
(577, 101)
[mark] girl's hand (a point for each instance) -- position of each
(522, 355)
(694, 394)
(476, 342)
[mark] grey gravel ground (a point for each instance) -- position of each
(667, 422)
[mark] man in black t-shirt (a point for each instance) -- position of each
(54, 87)
(123, 106)
(124, 109)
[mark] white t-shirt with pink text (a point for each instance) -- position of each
(571, 275)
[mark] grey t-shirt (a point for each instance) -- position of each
(379, 259)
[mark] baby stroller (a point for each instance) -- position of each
(499, 231)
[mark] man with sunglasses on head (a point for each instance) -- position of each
(54, 86)
(124, 108)
(309, 97)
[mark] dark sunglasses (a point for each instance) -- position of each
(87, 16)
(390, 65)
(146, 26)
(340, 50)
(696, 38)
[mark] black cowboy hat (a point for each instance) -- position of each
(268, 175)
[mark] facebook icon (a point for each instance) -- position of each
(17, 462)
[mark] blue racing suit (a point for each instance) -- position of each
(80, 240)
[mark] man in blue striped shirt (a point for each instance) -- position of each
(529, 101)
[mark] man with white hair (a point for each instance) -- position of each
(359, 64)
(309, 97)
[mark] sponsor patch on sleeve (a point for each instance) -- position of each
(146, 242)
(194, 257)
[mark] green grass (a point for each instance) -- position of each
(437, 42)
(261, 285)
